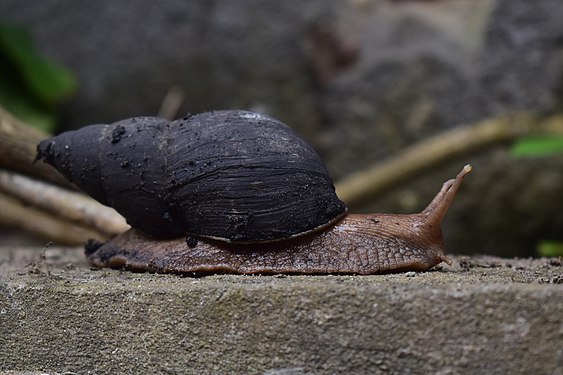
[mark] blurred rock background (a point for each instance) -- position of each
(360, 79)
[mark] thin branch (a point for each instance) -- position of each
(428, 153)
(72, 206)
(16, 215)
(171, 103)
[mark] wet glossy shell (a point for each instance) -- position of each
(233, 175)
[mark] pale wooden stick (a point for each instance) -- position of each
(73, 206)
(14, 214)
(171, 103)
(428, 153)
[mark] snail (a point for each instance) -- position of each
(234, 192)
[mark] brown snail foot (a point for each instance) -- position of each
(320, 253)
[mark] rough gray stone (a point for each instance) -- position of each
(484, 315)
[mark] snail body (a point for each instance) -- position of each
(237, 192)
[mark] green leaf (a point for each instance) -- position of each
(47, 82)
(538, 146)
(550, 249)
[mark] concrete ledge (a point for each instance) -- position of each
(484, 315)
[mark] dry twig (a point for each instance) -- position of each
(72, 206)
(428, 153)
(45, 225)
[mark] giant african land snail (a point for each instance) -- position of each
(235, 191)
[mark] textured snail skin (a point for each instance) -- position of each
(357, 244)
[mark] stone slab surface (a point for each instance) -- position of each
(482, 315)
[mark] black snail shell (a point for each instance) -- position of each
(236, 176)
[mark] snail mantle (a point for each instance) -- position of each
(235, 192)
